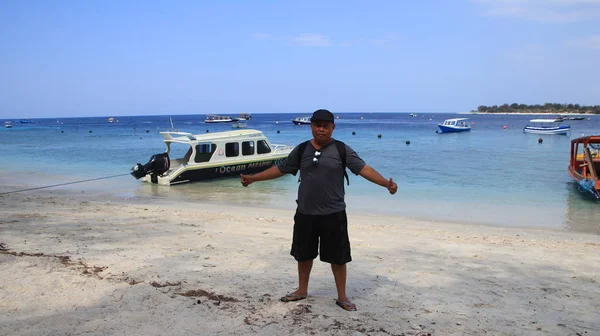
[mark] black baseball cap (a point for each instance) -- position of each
(323, 115)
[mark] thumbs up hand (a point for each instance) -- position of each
(392, 187)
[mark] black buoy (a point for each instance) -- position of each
(147, 131)
(379, 135)
(62, 131)
(90, 132)
(277, 131)
(353, 133)
(206, 131)
(408, 142)
(540, 140)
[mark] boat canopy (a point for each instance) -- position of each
(185, 137)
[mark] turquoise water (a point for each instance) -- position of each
(491, 175)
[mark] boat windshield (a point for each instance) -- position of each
(179, 151)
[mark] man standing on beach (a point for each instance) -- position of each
(320, 218)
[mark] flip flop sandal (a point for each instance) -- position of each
(348, 306)
(292, 297)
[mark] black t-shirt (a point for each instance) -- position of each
(321, 190)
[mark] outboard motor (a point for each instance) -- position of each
(158, 164)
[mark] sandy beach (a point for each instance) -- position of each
(74, 265)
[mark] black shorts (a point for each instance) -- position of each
(325, 235)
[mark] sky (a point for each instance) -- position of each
(73, 58)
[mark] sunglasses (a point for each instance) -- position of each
(315, 160)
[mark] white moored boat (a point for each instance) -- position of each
(214, 119)
(210, 156)
(547, 126)
(301, 121)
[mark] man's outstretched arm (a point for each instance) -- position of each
(269, 174)
(372, 175)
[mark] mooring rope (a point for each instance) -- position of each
(62, 184)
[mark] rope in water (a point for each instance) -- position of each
(62, 184)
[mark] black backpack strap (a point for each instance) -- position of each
(301, 148)
(341, 147)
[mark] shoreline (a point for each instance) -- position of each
(104, 267)
(280, 196)
(536, 113)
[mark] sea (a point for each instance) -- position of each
(493, 175)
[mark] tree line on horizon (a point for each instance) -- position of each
(546, 108)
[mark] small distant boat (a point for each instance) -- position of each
(301, 121)
(214, 119)
(454, 125)
(7, 124)
(413, 114)
(242, 117)
(584, 163)
(25, 121)
(111, 120)
(239, 124)
(547, 126)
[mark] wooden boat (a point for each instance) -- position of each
(547, 126)
(210, 156)
(584, 163)
(454, 125)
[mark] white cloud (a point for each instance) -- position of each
(385, 40)
(547, 11)
(590, 42)
(312, 40)
(261, 36)
(321, 40)
(529, 53)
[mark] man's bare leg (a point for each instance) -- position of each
(304, 268)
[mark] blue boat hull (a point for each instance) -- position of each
(447, 129)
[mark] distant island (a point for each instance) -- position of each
(550, 108)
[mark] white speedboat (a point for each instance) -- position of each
(210, 156)
(301, 121)
(547, 126)
(454, 125)
(7, 124)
